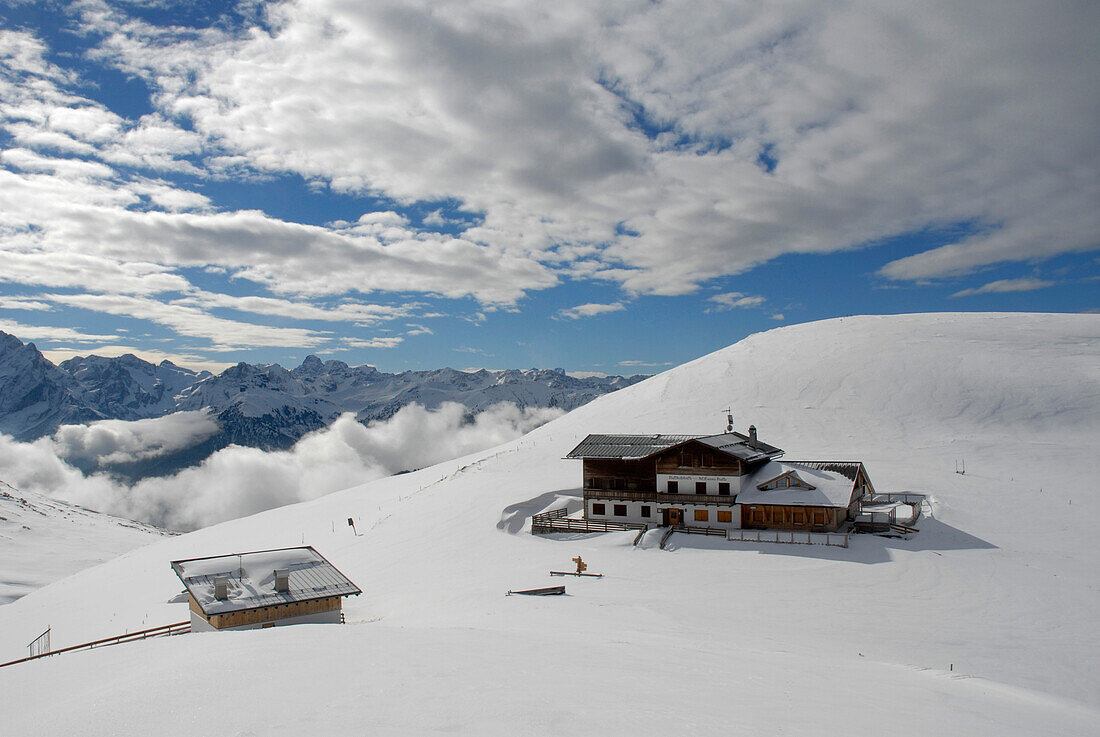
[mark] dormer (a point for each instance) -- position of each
(788, 480)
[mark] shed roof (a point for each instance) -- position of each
(635, 447)
(251, 578)
(832, 488)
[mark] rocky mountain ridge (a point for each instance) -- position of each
(265, 406)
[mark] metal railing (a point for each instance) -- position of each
(179, 628)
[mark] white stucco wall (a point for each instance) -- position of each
(687, 482)
(634, 513)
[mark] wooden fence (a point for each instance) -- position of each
(179, 628)
(797, 537)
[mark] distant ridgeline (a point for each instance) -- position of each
(262, 406)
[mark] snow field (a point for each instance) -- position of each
(707, 636)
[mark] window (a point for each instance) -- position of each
(700, 487)
(724, 488)
(685, 459)
(701, 515)
(725, 516)
(599, 509)
(647, 512)
(595, 483)
(673, 487)
(708, 460)
(620, 510)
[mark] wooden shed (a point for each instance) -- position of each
(263, 588)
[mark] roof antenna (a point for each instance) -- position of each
(729, 420)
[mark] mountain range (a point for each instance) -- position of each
(264, 406)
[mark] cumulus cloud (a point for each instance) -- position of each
(1006, 285)
(238, 481)
(121, 441)
(588, 310)
(736, 132)
(633, 143)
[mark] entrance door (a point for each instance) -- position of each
(675, 517)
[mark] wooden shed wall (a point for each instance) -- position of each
(270, 613)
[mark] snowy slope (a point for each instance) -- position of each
(984, 623)
(43, 540)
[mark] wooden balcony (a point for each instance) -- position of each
(658, 498)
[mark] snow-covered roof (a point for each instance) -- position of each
(251, 579)
(831, 488)
(635, 447)
(625, 446)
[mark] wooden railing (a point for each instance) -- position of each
(652, 496)
(179, 628)
(715, 531)
(905, 497)
(542, 524)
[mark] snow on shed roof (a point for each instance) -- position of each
(634, 447)
(252, 579)
(832, 488)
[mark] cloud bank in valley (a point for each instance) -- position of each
(238, 481)
(122, 441)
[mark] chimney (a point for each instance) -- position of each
(221, 587)
(282, 580)
(752, 433)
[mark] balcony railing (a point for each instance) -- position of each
(652, 496)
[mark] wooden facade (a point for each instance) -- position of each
(268, 614)
(790, 517)
(695, 458)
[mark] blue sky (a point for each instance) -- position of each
(617, 187)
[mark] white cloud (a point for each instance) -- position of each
(588, 310)
(879, 118)
(40, 332)
(1006, 285)
(359, 313)
(385, 341)
(240, 481)
(186, 320)
(193, 361)
(416, 329)
(120, 441)
(23, 303)
(645, 363)
(731, 300)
